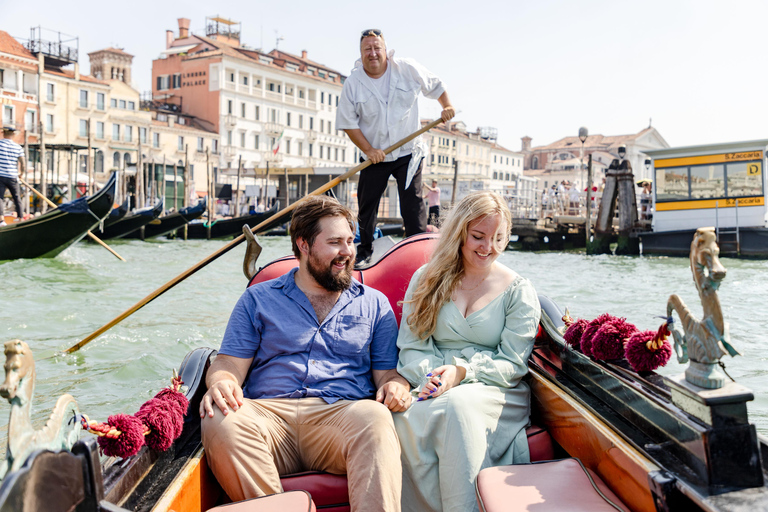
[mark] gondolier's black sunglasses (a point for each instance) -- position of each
(370, 32)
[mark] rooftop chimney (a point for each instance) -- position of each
(304, 54)
(183, 28)
(168, 38)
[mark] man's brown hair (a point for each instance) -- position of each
(305, 222)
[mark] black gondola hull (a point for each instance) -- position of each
(49, 234)
(234, 227)
(130, 222)
(169, 223)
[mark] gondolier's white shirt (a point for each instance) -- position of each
(384, 121)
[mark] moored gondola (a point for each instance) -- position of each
(117, 213)
(52, 232)
(231, 227)
(131, 222)
(169, 223)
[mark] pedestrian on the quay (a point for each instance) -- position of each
(378, 107)
(11, 158)
(433, 201)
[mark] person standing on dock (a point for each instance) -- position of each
(11, 159)
(379, 106)
(306, 375)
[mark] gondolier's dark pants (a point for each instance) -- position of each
(11, 184)
(372, 184)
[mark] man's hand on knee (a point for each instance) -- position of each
(226, 394)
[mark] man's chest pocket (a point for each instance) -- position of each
(406, 95)
(353, 335)
(366, 104)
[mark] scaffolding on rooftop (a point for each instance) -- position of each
(58, 49)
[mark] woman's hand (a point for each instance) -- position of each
(441, 380)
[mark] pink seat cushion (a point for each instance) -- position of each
(293, 501)
(555, 485)
(331, 490)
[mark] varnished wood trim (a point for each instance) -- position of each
(585, 436)
(194, 489)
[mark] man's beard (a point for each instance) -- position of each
(325, 277)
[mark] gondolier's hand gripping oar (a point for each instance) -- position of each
(53, 205)
(234, 243)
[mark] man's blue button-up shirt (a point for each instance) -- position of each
(295, 356)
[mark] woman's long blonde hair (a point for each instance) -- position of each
(445, 270)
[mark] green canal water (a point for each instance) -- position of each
(53, 303)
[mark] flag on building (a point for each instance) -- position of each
(277, 143)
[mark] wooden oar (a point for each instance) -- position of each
(54, 205)
(234, 243)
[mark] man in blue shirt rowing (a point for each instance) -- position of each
(301, 358)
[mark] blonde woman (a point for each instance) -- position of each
(468, 328)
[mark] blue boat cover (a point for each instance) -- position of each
(77, 206)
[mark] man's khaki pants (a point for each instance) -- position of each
(250, 448)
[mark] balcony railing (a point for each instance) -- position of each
(273, 158)
(230, 120)
(274, 129)
(312, 135)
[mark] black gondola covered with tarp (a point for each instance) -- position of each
(52, 232)
(117, 213)
(169, 223)
(234, 227)
(130, 222)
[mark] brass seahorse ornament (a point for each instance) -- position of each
(704, 341)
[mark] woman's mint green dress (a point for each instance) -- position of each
(481, 423)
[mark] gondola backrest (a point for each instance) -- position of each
(390, 274)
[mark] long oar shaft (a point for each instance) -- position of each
(52, 204)
(234, 243)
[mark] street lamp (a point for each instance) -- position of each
(648, 163)
(583, 134)
(622, 151)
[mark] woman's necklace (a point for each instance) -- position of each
(474, 287)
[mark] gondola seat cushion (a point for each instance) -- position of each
(544, 486)
(293, 501)
(329, 492)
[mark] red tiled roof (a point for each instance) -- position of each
(10, 45)
(250, 55)
(593, 141)
(69, 73)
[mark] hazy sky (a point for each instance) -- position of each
(541, 68)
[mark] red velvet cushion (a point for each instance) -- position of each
(328, 490)
(294, 501)
(546, 486)
(539, 444)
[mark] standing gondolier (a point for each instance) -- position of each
(378, 106)
(11, 158)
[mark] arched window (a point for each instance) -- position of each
(98, 161)
(116, 160)
(127, 159)
(535, 162)
(180, 164)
